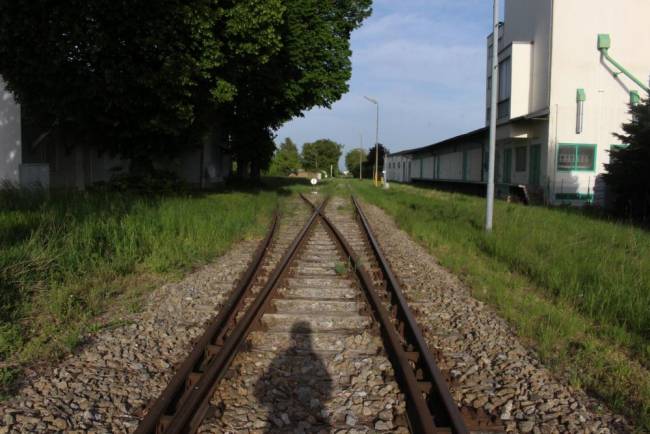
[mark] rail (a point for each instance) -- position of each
(184, 403)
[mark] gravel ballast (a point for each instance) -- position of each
(492, 369)
(105, 386)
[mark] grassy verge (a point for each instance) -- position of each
(66, 258)
(577, 288)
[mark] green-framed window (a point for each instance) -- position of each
(576, 157)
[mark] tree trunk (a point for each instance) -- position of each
(255, 170)
(242, 169)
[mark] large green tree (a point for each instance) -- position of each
(628, 173)
(311, 68)
(286, 159)
(135, 77)
(143, 78)
(321, 155)
(354, 161)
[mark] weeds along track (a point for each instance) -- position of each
(316, 338)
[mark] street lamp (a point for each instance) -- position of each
(376, 171)
(489, 212)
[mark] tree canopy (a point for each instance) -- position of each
(322, 154)
(369, 165)
(629, 168)
(141, 78)
(354, 160)
(286, 159)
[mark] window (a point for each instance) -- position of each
(576, 157)
(520, 159)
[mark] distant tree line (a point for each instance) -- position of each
(367, 163)
(141, 79)
(321, 155)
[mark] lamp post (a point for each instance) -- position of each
(376, 170)
(489, 212)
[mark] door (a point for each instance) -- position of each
(507, 166)
(535, 164)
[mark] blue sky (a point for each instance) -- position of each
(424, 60)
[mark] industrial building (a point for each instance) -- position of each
(30, 158)
(568, 70)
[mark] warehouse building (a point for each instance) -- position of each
(568, 71)
(30, 157)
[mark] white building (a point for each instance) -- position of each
(561, 99)
(28, 159)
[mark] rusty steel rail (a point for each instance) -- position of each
(439, 400)
(184, 403)
(425, 414)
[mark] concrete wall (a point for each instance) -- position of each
(530, 21)
(522, 63)
(10, 137)
(399, 168)
(578, 64)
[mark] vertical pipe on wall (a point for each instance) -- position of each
(580, 113)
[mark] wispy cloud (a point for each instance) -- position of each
(424, 60)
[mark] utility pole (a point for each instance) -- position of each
(489, 212)
(376, 170)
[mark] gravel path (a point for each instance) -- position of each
(106, 385)
(491, 368)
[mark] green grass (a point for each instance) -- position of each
(67, 258)
(577, 288)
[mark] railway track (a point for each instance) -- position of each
(317, 337)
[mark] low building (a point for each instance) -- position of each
(561, 99)
(29, 158)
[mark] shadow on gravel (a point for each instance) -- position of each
(296, 387)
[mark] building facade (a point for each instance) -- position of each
(568, 70)
(30, 158)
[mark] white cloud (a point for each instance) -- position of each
(424, 60)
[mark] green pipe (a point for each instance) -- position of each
(604, 44)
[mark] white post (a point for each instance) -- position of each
(493, 119)
(377, 149)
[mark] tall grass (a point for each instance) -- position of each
(67, 257)
(602, 268)
(576, 287)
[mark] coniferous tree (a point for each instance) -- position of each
(628, 173)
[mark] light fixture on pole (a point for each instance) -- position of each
(489, 212)
(376, 170)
